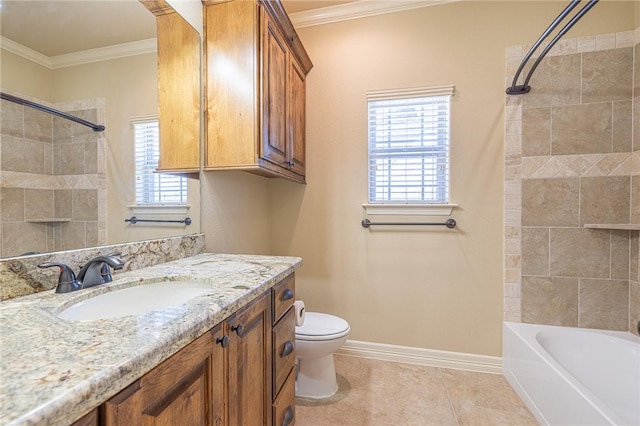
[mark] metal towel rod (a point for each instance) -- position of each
(449, 223)
(20, 101)
(134, 220)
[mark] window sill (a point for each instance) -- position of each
(161, 209)
(409, 209)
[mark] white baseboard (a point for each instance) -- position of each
(420, 356)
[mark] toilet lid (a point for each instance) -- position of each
(318, 324)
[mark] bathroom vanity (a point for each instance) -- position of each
(224, 357)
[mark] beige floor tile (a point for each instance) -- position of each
(381, 393)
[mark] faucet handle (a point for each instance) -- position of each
(67, 281)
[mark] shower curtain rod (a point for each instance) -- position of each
(20, 101)
(515, 89)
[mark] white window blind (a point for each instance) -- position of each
(409, 145)
(154, 188)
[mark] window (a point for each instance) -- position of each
(409, 145)
(154, 188)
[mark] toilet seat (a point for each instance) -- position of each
(319, 326)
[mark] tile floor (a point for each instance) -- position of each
(381, 393)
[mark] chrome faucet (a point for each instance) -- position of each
(96, 271)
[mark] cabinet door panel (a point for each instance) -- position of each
(296, 113)
(284, 339)
(274, 80)
(250, 365)
(177, 392)
(178, 94)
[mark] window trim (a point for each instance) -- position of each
(155, 208)
(414, 208)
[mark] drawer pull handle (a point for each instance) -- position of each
(287, 349)
(288, 416)
(223, 341)
(239, 329)
(286, 295)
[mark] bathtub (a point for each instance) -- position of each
(574, 376)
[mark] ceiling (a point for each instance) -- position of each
(58, 27)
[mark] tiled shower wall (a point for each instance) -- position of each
(572, 159)
(52, 186)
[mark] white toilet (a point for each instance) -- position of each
(316, 340)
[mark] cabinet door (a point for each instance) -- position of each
(296, 117)
(274, 96)
(249, 360)
(178, 94)
(177, 392)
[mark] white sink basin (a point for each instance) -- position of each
(135, 300)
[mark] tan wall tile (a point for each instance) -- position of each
(634, 256)
(63, 203)
(604, 304)
(620, 255)
(38, 204)
(636, 123)
(581, 129)
(555, 82)
(605, 199)
(607, 75)
(68, 159)
(11, 205)
(636, 67)
(550, 300)
(535, 251)
(91, 157)
(61, 130)
(634, 306)
(85, 205)
(579, 252)
(622, 126)
(536, 131)
(70, 235)
(550, 202)
(18, 238)
(38, 125)
(22, 155)
(11, 119)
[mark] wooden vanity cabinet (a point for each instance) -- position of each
(185, 389)
(241, 372)
(178, 90)
(284, 339)
(249, 364)
(255, 67)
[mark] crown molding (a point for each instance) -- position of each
(356, 10)
(83, 57)
(23, 51)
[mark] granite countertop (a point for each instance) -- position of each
(54, 371)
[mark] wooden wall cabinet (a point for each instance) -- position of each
(241, 372)
(255, 67)
(178, 90)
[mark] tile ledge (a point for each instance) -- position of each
(409, 209)
(617, 226)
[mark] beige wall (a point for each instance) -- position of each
(435, 288)
(19, 75)
(235, 212)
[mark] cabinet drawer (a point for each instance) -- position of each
(284, 355)
(283, 296)
(284, 406)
